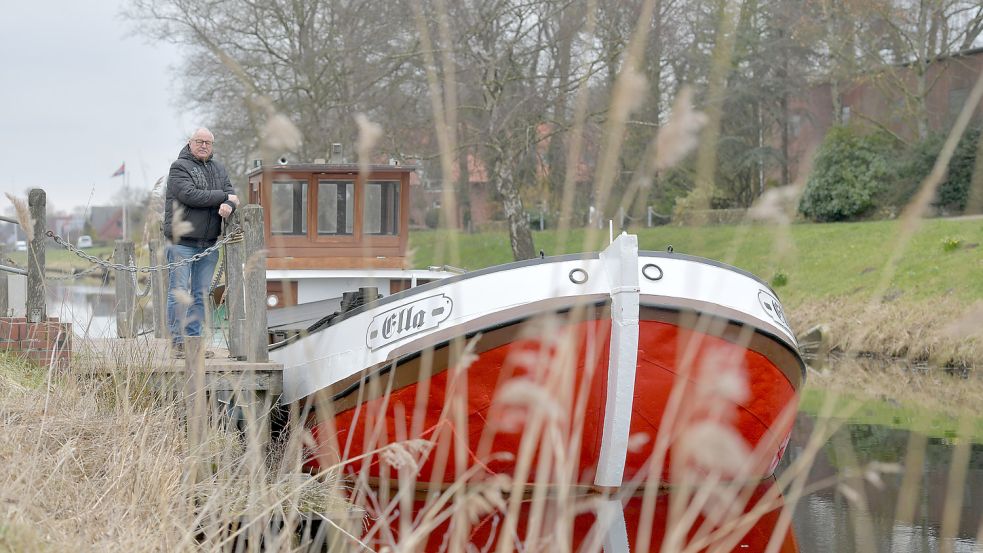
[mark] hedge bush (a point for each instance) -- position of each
(851, 174)
(917, 163)
(954, 191)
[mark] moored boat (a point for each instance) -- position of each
(627, 354)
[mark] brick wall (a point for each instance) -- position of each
(42, 343)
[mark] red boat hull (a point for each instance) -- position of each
(478, 416)
(579, 527)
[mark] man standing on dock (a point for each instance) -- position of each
(200, 194)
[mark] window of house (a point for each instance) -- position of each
(335, 207)
(381, 208)
(845, 114)
(288, 209)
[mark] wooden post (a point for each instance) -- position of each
(158, 282)
(254, 284)
(196, 405)
(125, 293)
(36, 310)
(235, 258)
(4, 290)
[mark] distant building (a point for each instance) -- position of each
(106, 222)
(879, 100)
(67, 226)
(478, 203)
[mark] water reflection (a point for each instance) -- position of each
(826, 521)
(91, 309)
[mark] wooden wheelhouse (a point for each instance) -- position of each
(330, 229)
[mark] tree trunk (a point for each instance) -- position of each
(503, 176)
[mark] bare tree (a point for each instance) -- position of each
(515, 64)
(316, 62)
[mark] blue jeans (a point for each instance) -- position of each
(194, 280)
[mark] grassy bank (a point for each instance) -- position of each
(820, 261)
(61, 260)
(102, 463)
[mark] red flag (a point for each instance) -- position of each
(120, 171)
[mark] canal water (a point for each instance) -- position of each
(833, 520)
(91, 308)
(825, 521)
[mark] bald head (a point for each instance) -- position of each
(201, 143)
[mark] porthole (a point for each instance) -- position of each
(578, 276)
(652, 271)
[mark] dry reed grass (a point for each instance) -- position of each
(103, 464)
(941, 332)
(23, 213)
(96, 459)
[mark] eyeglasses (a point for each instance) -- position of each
(200, 142)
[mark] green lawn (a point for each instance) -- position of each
(61, 259)
(820, 260)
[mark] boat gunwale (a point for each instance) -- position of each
(527, 263)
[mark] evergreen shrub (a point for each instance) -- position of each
(851, 174)
(953, 192)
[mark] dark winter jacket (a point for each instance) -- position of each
(198, 188)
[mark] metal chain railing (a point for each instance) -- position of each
(136, 283)
(237, 236)
(217, 279)
(73, 276)
(234, 235)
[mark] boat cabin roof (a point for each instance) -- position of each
(347, 168)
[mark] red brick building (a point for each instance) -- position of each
(886, 99)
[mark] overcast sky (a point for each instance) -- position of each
(79, 95)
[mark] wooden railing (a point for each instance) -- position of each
(245, 292)
(34, 307)
(245, 270)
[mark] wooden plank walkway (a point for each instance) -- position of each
(152, 356)
(246, 391)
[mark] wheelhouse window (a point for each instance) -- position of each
(382, 208)
(288, 213)
(335, 207)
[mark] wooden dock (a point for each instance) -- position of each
(242, 393)
(152, 357)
